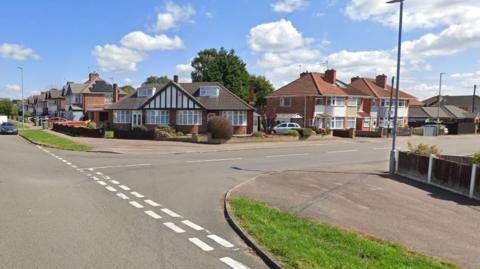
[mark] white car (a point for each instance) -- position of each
(285, 127)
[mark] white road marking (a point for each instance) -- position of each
(119, 166)
(174, 227)
(89, 175)
(136, 194)
(74, 167)
(342, 151)
(220, 241)
(287, 155)
(115, 182)
(136, 204)
(110, 188)
(214, 160)
(123, 196)
(90, 169)
(95, 178)
(106, 177)
(153, 214)
(68, 163)
(192, 225)
(171, 213)
(64, 161)
(199, 243)
(152, 203)
(99, 173)
(101, 183)
(233, 263)
(123, 187)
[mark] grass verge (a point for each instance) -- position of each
(108, 134)
(46, 139)
(301, 243)
(19, 125)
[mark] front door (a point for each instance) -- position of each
(136, 118)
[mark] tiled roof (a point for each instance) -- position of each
(368, 86)
(456, 100)
(132, 101)
(450, 112)
(55, 94)
(459, 113)
(415, 102)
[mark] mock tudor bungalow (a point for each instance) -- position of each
(184, 106)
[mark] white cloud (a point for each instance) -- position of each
(275, 36)
(141, 41)
(117, 59)
(288, 6)
(128, 80)
(173, 15)
(17, 52)
(272, 59)
(417, 13)
(184, 72)
(13, 88)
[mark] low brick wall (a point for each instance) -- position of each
(348, 133)
(360, 133)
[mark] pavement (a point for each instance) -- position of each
(64, 209)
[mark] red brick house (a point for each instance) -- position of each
(319, 100)
(55, 103)
(184, 106)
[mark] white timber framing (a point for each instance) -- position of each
(171, 97)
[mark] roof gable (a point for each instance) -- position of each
(172, 96)
(368, 86)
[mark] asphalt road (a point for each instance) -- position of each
(62, 209)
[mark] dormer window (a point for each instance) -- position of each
(209, 91)
(147, 92)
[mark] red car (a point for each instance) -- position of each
(56, 120)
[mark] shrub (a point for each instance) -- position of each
(91, 125)
(423, 149)
(140, 128)
(166, 128)
(180, 134)
(307, 132)
(324, 131)
(292, 132)
(220, 128)
(164, 131)
(476, 158)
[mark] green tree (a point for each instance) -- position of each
(221, 66)
(6, 107)
(157, 80)
(128, 89)
(263, 87)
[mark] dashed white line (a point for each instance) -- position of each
(123, 187)
(199, 243)
(99, 173)
(342, 151)
(90, 169)
(153, 214)
(64, 161)
(101, 183)
(119, 166)
(136, 194)
(287, 155)
(174, 227)
(110, 188)
(233, 263)
(74, 167)
(106, 177)
(68, 163)
(152, 203)
(220, 241)
(171, 213)
(136, 204)
(123, 196)
(214, 160)
(115, 182)
(95, 178)
(192, 225)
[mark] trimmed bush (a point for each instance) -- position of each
(476, 158)
(78, 131)
(140, 128)
(220, 128)
(423, 149)
(292, 132)
(180, 134)
(304, 132)
(136, 133)
(164, 131)
(91, 125)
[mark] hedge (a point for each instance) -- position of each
(134, 134)
(78, 131)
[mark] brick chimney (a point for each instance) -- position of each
(175, 78)
(354, 78)
(92, 76)
(381, 81)
(116, 92)
(330, 76)
(251, 92)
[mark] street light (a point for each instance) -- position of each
(23, 99)
(393, 152)
(439, 101)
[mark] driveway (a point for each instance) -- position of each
(364, 199)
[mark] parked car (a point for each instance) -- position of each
(8, 128)
(285, 127)
(56, 120)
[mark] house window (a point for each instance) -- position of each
(400, 122)
(108, 98)
(236, 118)
(366, 122)
(146, 92)
(157, 117)
(189, 117)
(402, 103)
(285, 101)
(122, 116)
(77, 99)
(336, 123)
(320, 101)
(352, 101)
(337, 101)
(351, 122)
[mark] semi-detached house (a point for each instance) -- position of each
(187, 107)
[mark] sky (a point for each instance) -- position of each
(126, 41)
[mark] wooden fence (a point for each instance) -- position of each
(413, 165)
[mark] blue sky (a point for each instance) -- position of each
(126, 41)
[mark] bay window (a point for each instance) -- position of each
(236, 118)
(351, 122)
(189, 117)
(157, 117)
(122, 116)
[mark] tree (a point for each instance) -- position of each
(221, 66)
(6, 107)
(263, 87)
(128, 89)
(157, 80)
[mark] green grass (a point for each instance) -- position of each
(108, 134)
(46, 139)
(19, 124)
(302, 243)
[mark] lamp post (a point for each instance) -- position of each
(23, 99)
(393, 152)
(439, 101)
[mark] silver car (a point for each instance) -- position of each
(285, 127)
